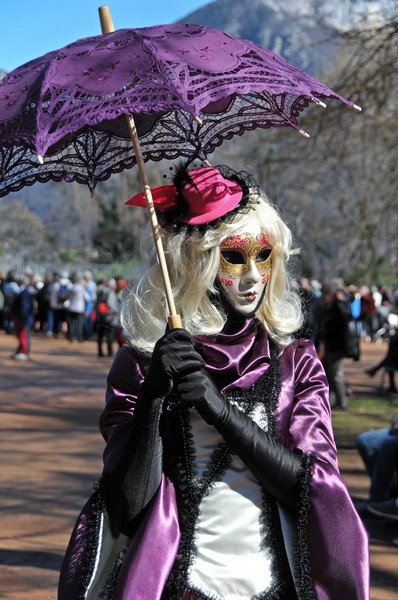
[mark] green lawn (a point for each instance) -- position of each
(364, 413)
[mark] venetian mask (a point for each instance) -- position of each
(245, 268)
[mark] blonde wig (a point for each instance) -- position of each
(193, 261)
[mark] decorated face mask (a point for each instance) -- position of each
(245, 268)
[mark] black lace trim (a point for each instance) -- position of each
(171, 219)
(301, 554)
(195, 594)
(192, 489)
(106, 593)
(93, 528)
(269, 514)
(93, 539)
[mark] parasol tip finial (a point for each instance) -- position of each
(106, 19)
(40, 159)
(304, 133)
(318, 102)
(357, 108)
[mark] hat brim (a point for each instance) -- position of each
(165, 198)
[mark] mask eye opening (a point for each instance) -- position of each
(233, 257)
(263, 255)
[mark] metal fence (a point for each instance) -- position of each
(99, 271)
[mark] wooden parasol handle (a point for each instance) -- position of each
(174, 320)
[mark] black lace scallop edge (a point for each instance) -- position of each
(277, 590)
(93, 528)
(218, 464)
(301, 552)
(265, 391)
(107, 592)
(192, 490)
(90, 556)
(188, 507)
(216, 467)
(195, 593)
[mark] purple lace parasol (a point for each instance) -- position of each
(188, 87)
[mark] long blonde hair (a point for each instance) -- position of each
(193, 262)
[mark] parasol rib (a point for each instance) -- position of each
(174, 320)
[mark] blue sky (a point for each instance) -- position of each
(30, 29)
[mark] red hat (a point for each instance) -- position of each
(207, 196)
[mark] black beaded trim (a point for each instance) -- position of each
(192, 489)
(301, 554)
(93, 527)
(107, 592)
(90, 556)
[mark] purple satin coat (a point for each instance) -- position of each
(336, 539)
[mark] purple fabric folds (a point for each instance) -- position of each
(331, 535)
(336, 538)
(150, 557)
(236, 359)
(73, 571)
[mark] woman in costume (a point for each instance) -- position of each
(220, 472)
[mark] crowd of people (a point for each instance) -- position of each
(338, 316)
(372, 313)
(220, 475)
(79, 307)
(74, 305)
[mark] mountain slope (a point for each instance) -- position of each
(306, 33)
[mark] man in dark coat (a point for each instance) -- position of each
(335, 319)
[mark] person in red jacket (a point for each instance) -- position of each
(23, 316)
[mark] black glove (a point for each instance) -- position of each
(197, 390)
(136, 478)
(275, 467)
(173, 355)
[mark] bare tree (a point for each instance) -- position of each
(73, 218)
(338, 189)
(22, 233)
(119, 228)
